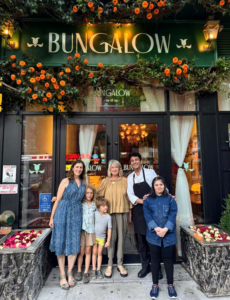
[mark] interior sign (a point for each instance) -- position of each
(9, 174)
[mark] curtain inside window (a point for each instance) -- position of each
(181, 128)
(223, 99)
(155, 100)
(87, 134)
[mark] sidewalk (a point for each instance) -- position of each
(119, 288)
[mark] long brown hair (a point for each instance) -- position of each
(70, 175)
(90, 187)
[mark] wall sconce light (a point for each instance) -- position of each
(6, 32)
(210, 31)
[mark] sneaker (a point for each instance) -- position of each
(93, 274)
(154, 292)
(100, 274)
(86, 277)
(79, 276)
(172, 292)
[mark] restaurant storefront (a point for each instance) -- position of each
(184, 137)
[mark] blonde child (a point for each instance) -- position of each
(87, 233)
(103, 225)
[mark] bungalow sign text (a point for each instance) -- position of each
(99, 43)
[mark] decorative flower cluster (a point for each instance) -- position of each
(138, 7)
(223, 2)
(21, 239)
(42, 84)
(210, 234)
(178, 69)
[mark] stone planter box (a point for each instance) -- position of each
(208, 263)
(24, 271)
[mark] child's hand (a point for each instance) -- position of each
(107, 244)
(157, 229)
(162, 232)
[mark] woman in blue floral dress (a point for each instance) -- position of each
(66, 221)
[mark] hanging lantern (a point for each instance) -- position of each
(210, 30)
(7, 30)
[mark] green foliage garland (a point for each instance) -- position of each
(54, 86)
(100, 11)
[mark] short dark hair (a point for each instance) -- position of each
(135, 154)
(101, 201)
(153, 193)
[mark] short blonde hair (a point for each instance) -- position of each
(117, 164)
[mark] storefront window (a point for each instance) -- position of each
(141, 138)
(186, 171)
(121, 98)
(184, 102)
(36, 171)
(88, 143)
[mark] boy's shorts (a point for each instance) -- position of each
(87, 239)
(100, 242)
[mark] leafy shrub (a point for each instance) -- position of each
(225, 219)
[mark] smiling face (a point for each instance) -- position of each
(114, 170)
(136, 163)
(159, 187)
(78, 169)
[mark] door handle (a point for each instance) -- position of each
(228, 142)
(116, 143)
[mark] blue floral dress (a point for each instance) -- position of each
(68, 221)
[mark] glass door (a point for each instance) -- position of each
(86, 139)
(145, 135)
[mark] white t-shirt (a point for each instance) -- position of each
(149, 176)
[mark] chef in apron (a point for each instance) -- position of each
(139, 186)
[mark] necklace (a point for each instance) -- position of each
(113, 181)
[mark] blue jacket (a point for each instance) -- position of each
(160, 212)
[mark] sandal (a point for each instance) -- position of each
(108, 272)
(73, 282)
(64, 286)
(121, 270)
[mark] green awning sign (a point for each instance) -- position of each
(52, 42)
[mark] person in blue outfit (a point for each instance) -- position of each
(66, 221)
(160, 210)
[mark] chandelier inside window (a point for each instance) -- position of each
(133, 133)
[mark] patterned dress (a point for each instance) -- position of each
(68, 221)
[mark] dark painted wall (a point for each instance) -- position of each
(11, 152)
(210, 158)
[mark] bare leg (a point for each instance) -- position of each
(99, 257)
(87, 258)
(71, 262)
(61, 263)
(94, 257)
(80, 259)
